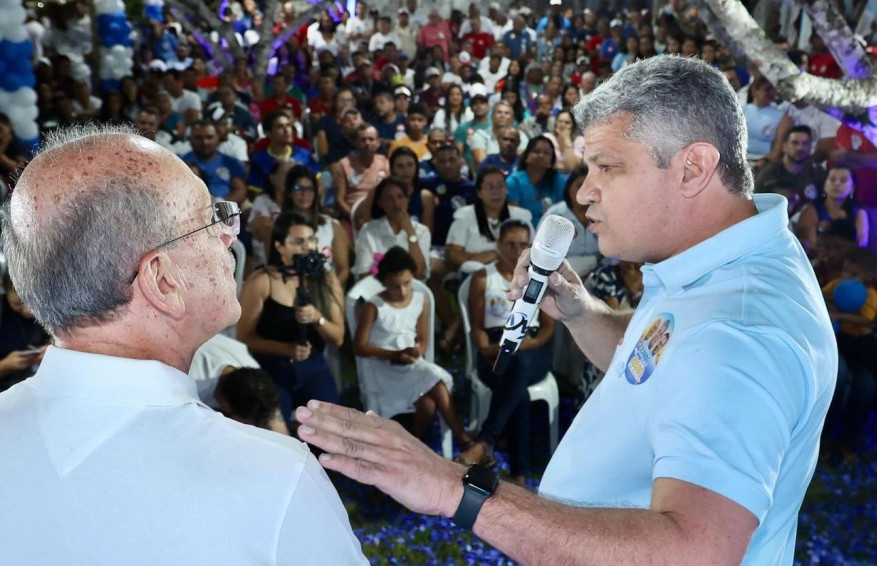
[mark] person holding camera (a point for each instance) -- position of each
(290, 311)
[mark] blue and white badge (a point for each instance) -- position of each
(648, 350)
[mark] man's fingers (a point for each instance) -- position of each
(340, 445)
(359, 470)
(341, 421)
(520, 277)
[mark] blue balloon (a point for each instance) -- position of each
(154, 13)
(850, 295)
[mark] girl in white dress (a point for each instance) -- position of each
(390, 338)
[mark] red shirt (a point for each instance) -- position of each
(481, 42)
(432, 35)
(270, 104)
(319, 106)
(866, 179)
(824, 65)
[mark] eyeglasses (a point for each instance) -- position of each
(225, 213)
(305, 188)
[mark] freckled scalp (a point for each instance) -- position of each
(84, 211)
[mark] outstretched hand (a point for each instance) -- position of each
(565, 297)
(379, 452)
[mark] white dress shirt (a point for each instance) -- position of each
(110, 460)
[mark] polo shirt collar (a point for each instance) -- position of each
(110, 379)
(728, 245)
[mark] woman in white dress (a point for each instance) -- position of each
(391, 337)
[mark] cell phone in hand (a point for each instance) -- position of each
(31, 352)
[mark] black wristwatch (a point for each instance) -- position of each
(479, 483)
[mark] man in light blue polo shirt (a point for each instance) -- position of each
(699, 444)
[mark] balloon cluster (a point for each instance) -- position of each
(18, 100)
(116, 54)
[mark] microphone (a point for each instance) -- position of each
(550, 246)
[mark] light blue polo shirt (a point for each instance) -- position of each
(723, 380)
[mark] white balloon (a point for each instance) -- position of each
(109, 6)
(26, 130)
(12, 14)
(5, 99)
(117, 50)
(23, 97)
(14, 32)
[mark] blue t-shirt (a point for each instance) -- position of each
(451, 196)
(761, 122)
(535, 199)
(723, 379)
(495, 160)
(388, 131)
(517, 42)
(218, 172)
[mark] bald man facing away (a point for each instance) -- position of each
(108, 455)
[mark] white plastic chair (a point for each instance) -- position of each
(368, 287)
(546, 390)
(353, 210)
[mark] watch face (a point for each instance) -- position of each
(481, 478)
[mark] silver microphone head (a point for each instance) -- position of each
(551, 243)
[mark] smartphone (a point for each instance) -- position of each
(31, 352)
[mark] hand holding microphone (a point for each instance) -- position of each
(550, 246)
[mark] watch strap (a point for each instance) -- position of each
(470, 505)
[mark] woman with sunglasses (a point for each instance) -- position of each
(301, 195)
(285, 333)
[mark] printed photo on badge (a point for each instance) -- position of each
(648, 349)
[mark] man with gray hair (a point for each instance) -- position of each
(698, 445)
(110, 458)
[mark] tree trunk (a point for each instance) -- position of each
(846, 100)
(204, 15)
(830, 25)
(262, 51)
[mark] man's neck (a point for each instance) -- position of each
(278, 150)
(792, 167)
(207, 158)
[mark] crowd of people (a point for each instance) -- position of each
(411, 145)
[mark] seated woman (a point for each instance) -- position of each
(510, 403)
(285, 333)
(22, 340)
(583, 253)
(473, 233)
(537, 184)
(391, 226)
(391, 338)
(569, 144)
(836, 202)
(300, 195)
(421, 202)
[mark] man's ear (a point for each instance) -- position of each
(699, 163)
(161, 285)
